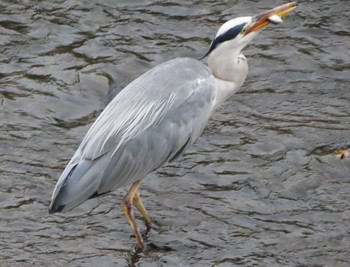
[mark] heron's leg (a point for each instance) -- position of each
(127, 209)
(139, 205)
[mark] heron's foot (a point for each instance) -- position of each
(153, 225)
(140, 242)
(129, 213)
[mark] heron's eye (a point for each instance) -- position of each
(244, 30)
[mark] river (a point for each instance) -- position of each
(261, 187)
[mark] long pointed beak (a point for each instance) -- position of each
(262, 20)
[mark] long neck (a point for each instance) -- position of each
(230, 69)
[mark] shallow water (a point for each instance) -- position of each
(261, 187)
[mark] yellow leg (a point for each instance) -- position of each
(139, 205)
(127, 209)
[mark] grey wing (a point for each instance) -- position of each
(178, 128)
(152, 121)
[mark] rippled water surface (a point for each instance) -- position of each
(261, 187)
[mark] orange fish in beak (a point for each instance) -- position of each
(262, 20)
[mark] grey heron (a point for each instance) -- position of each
(154, 119)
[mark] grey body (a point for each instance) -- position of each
(154, 119)
(149, 123)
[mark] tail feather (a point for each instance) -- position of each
(78, 182)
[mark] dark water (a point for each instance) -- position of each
(261, 187)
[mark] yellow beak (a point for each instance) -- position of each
(262, 20)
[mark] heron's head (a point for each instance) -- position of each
(235, 34)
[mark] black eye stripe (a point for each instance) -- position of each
(226, 36)
(229, 35)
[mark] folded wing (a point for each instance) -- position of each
(149, 123)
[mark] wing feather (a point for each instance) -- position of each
(143, 104)
(153, 120)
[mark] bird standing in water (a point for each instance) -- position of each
(156, 118)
